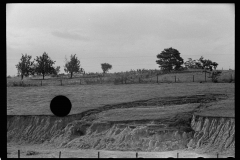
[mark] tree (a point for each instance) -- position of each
(57, 70)
(215, 64)
(169, 59)
(25, 67)
(191, 63)
(106, 67)
(72, 66)
(44, 65)
(207, 64)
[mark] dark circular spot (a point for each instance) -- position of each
(60, 106)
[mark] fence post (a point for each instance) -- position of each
(61, 82)
(205, 76)
(18, 153)
(60, 154)
(98, 154)
(157, 78)
(136, 154)
(217, 155)
(41, 82)
(175, 78)
(177, 155)
(193, 78)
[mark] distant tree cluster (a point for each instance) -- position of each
(169, 59)
(200, 63)
(43, 65)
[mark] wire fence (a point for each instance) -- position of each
(99, 156)
(124, 79)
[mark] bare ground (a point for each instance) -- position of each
(38, 151)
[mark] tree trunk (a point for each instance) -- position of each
(71, 75)
(43, 76)
(21, 77)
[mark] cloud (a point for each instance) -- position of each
(68, 35)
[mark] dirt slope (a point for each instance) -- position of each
(179, 128)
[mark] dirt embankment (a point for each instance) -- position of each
(213, 134)
(178, 131)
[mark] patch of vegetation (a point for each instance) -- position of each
(22, 84)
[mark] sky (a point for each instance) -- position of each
(127, 36)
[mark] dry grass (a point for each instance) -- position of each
(223, 108)
(36, 100)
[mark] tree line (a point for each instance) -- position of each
(43, 65)
(168, 60)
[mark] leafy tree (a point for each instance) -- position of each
(207, 64)
(190, 63)
(72, 66)
(25, 67)
(215, 64)
(106, 67)
(44, 65)
(57, 70)
(169, 59)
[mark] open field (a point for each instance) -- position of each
(155, 120)
(36, 100)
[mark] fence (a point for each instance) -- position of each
(124, 79)
(98, 155)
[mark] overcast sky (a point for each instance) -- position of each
(128, 36)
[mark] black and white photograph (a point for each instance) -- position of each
(120, 80)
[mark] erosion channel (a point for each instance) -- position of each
(158, 124)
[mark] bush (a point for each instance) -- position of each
(89, 81)
(22, 84)
(117, 81)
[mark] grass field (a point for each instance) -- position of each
(145, 113)
(36, 100)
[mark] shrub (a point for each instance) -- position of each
(117, 81)
(22, 84)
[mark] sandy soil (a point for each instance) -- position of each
(40, 151)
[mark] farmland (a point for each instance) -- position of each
(163, 118)
(36, 100)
